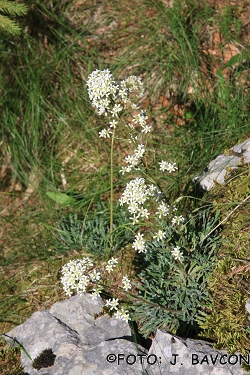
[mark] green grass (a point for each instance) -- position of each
(48, 126)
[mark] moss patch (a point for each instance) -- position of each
(228, 324)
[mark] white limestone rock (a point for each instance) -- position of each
(216, 169)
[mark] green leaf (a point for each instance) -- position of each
(235, 59)
(61, 198)
(195, 269)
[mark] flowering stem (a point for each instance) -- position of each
(181, 267)
(136, 298)
(111, 188)
(179, 263)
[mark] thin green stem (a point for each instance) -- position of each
(111, 188)
(150, 179)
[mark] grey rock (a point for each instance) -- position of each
(192, 357)
(84, 345)
(248, 305)
(243, 149)
(216, 169)
(80, 342)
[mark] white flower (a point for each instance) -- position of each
(139, 236)
(128, 168)
(74, 278)
(134, 106)
(159, 235)
(105, 133)
(133, 83)
(165, 166)
(95, 294)
(112, 304)
(109, 267)
(113, 124)
(171, 167)
(140, 118)
(151, 190)
(162, 210)
(126, 282)
(146, 129)
(177, 254)
(139, 243)
(140, 151)
(118, 314)
(178, 220)
(95, 275)
(82, 284)
(135, 189)
(134, 219)
(133, 207)
(144, 213)
(123, 93)
(132, 159)
(121, 314)
(130, 126)
(100, 85)
(116, 109)
(113, 261)
(123, 170)
(111, 264)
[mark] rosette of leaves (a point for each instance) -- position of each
(165, 284)
(93, 232)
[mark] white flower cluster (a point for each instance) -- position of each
(126, 283)
(111, 264)
(133, 160)
(141, 118)
(120, 314)
(178, 220)
(160, 235)
(135, 195)
(112, 304)
(101, 88)
(139, 243)
(177, 254)
(162, 210)
(133, 84)
(165, 166)
(109, 98)
(74, 278)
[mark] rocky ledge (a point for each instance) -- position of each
(68, 340)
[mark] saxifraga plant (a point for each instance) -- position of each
(177, 252)
(165, 284)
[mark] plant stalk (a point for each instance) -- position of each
(111, 189)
